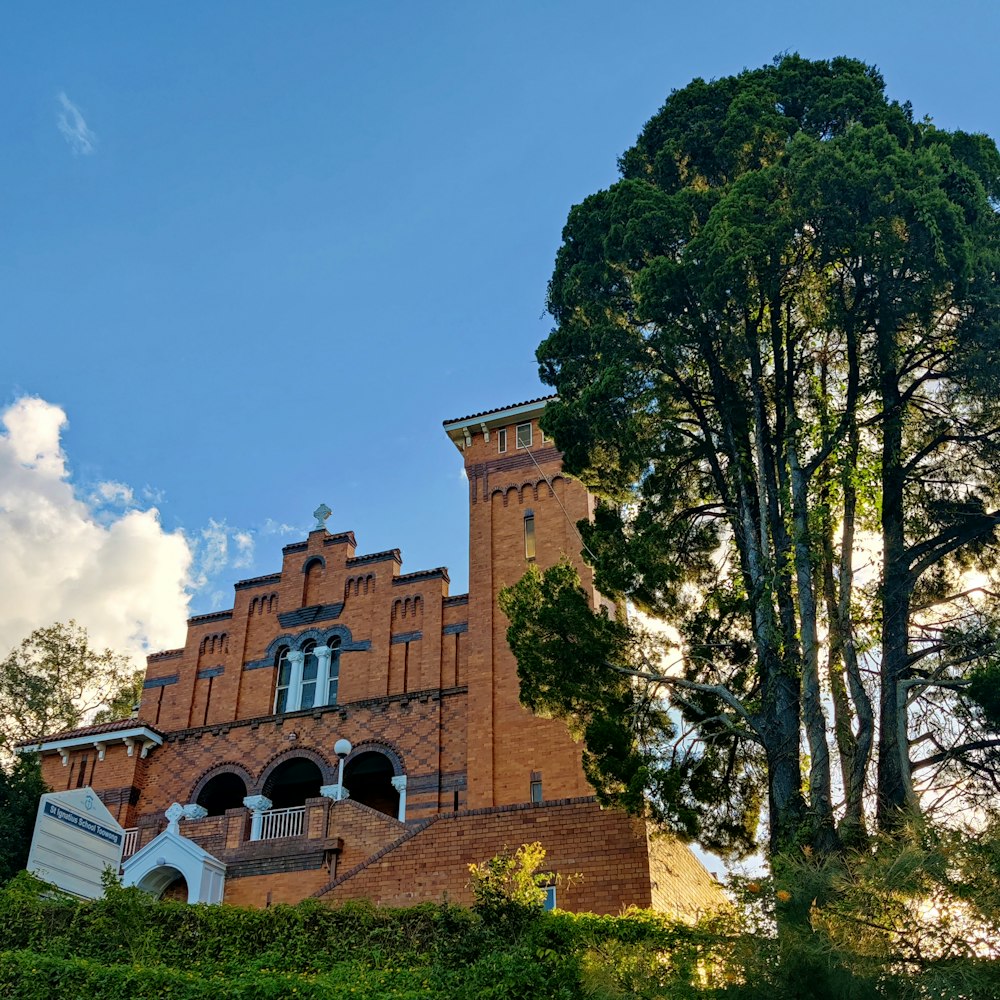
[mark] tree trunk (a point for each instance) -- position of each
(893, 755)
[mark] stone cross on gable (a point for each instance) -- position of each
(321, 513)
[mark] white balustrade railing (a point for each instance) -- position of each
(131, 842)
(277, 823)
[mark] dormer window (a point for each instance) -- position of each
(524, 435)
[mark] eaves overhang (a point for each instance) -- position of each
(134, 736)
(489, 419)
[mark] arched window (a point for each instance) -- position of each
(284, 681)
(310, 669)
(331, 696)
(307, 676)
(315, 572)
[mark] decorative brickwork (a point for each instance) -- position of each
(338, 646)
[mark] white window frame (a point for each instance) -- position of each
(519, 437)
(502, 440)
(333, 677)
(309, 648)
(320, 689)
(279, 688)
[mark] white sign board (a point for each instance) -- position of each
(75, 839)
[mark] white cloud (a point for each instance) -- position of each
(112, 493)
(119, 573)
(244, 549)
(213, 550)
(213, 553)
(71, 123)
(272, 527)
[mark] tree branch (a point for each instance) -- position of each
(719, 690)
(938, 758)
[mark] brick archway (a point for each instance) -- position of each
(373, 776)
(229, 767)
(383, 747)
(327, 770)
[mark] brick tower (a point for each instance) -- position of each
(522, 510)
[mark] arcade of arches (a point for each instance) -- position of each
(369, 778)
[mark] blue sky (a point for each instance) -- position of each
(255, 253)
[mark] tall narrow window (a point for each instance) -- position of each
(524, 435)
(536, 791)
(310, 670)
(331, 696)
(502, 440)
(284, 679)
(529, 535)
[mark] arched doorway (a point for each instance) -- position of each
(173, 867)
(368, 778)
(221, 792)
(292, 782)
(165, 882)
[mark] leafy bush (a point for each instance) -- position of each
(915, 918)
(510, 887)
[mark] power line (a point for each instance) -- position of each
(552, 490)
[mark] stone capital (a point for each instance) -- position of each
(174, 814)
(257, 803)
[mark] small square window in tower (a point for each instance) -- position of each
(524, 435)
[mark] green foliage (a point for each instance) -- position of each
(121, 703)
(21, 787)
(127, 945)
(36, 976)
(984, 691)
(52, 679)
(912, 918)
(631, 754)
(776, 334)
(509, 888)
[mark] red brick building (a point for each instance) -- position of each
(242, 726)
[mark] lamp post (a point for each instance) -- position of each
(337, 792)
(341, 748)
